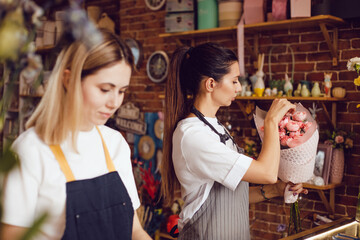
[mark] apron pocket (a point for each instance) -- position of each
(111, 223)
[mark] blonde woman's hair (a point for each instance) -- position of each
(59, 112)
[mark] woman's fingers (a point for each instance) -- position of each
(298, 188)
(279, 108)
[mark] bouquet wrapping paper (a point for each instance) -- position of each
(297, 161)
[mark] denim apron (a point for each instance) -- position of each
(96, 208)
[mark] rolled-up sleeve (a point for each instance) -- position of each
(208, 158)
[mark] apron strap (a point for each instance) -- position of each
(64, 165)
(109, 162)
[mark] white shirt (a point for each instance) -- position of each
(38, 184)
(200, 159)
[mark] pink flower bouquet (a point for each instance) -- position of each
(299, 137)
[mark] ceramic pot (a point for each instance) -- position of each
(339, 92)
(337, 166)
(315, 91)
(259, 85)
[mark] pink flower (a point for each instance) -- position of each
(295, 134)
(282, 133)
(283, 122)
(300, 124)
(299, 116)
(339, 139)
(292, 126)
(307, 125)
(285, 141)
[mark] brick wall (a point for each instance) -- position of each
(312, 58)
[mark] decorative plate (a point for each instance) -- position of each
(136, 50)
(146, 147)
(159, 129)
(155, 4)
(157, 66)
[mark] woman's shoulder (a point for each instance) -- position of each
(29, 146)
(28, 139)
(191, 126)
(111, 136)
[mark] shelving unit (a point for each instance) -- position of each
(330, 117)
(329, 204)
(323, 21)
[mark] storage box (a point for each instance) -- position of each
(300, 8)
(279, 10)
(179, 22)
(179, 6)
(254, 11)
(229, 13)
(49, 33)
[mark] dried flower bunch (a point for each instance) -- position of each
(339, 139)
(354, 65)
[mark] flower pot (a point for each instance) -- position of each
(337, 165)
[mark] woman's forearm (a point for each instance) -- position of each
(255, 194)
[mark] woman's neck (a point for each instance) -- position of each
(205, 106)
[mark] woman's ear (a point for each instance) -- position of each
(66, 78)
(210, 84)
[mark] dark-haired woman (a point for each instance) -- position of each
(203, 159)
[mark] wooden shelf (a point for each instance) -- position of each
(324, 187)
(260, 27)
(30, 96)
(329, 204)
(326, 99)
(45, 49)
(13, 110)
(329, 116)
(323, 21)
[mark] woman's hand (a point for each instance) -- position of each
(278, 108)
(295, 188)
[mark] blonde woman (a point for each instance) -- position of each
(71, 165)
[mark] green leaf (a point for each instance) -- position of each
(31, 232)
(8, 159)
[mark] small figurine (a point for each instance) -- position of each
(259, 84)
(253, 79)
(248, 92)
(288, 87)
(327, 84)
(244, 84)
(305, 91)
(267, 92)
(315, 91)
(297, 92)
(274, 91)
(314, 110)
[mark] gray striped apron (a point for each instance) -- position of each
(223, 216)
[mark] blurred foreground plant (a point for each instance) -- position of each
(19, 20)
